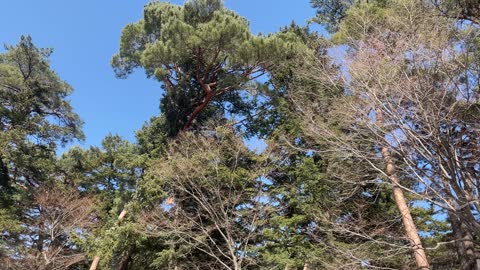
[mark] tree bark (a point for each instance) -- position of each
(95, 262)
(123, 265)
(464, 243)
(208, 97)
(407, 220)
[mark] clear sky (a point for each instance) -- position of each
(85, 34)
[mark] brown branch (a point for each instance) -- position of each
(199, 109)
(167, 84)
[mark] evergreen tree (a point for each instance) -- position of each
(371, 159)
(34, 118)
(205, 56)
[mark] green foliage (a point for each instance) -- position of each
(202, 200)
(32, 95)
(10, 224)
(35, 117)
(371, 16)
(196, 197)
(34, 114)
(331, 12)
(203, 54)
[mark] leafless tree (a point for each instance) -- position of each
(60, 215)
(211, 205)
(412, 85)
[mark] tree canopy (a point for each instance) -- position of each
(371, 134)
(204, 55)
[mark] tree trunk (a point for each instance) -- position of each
(306, 266)
(457, 234)
(471, 259)
(199, 108)
(4, 177)
(407, 220)
(39, 244)
(96, 260)
(464, 243)
(123, 265)
(122, 215)
(464, 238)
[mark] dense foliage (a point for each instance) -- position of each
(372, 157)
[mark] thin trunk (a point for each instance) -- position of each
(96, 260)
(306, 266)
(122, 215)
(4, 177)
(407, 220)
(39, 244)
(236, 265)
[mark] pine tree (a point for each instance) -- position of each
(35, 117)
(204, 55)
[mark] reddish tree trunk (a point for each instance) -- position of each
(407, 219)
(200, 108)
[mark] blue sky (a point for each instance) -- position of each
(85, 34)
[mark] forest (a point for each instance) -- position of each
(371, 130)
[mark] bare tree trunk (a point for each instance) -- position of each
(96, 260)
(306, 266)
(288, 267)
(407, 220)
(122, 215)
